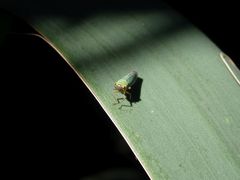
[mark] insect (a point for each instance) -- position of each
(124, 84)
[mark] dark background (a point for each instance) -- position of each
(52, 126)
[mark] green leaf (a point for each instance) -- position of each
(185, 124)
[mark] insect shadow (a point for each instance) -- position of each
(134, 95)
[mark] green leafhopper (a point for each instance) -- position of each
(124, 84)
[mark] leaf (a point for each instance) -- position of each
(185, 122)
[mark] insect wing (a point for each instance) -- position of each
(131, 78)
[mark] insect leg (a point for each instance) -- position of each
(130, 95)
(117, 99)
(124, 105)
